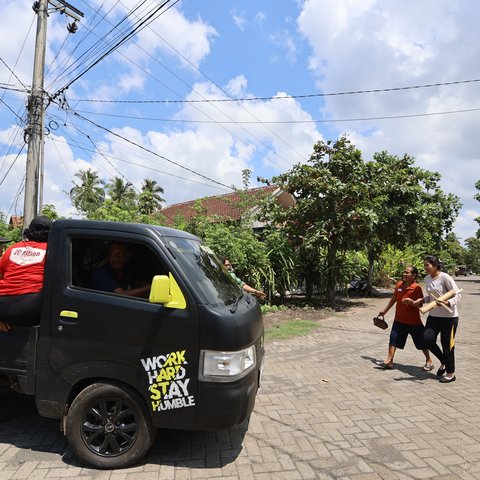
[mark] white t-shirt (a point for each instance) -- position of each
(438, 286)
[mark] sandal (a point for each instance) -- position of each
(428, 367)
(5, 327)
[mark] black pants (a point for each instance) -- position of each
(21, 310)
(447, 328)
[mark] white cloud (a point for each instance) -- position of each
(239, 20)
(237, 86)
(381, 44)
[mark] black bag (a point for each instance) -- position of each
(380, 322)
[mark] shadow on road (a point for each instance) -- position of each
(35, 436)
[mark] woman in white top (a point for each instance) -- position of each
(440, 320)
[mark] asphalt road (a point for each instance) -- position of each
(325, 411)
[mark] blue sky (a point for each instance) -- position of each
(222, 49)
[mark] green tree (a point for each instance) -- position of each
(112, 211)
(87, 196)
(50, 211)
(473, 254)
(477, 197)
(409, 206)
(332, 213)
(120, 190)
(242, 247)
(150, 199)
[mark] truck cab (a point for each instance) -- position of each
(113, 367)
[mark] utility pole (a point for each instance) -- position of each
(35, 113)
(34, 168)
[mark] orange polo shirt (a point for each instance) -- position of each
(406, 313)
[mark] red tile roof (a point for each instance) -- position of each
(226, 207)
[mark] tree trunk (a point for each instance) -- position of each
(371, 261)
(331, 282)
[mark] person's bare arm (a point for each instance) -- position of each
(391, 303)
(257, 293)
(134, 292)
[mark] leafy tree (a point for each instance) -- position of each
(150, 199)
(241, 246)
(393, 260)
(13, 234)
(113, 211)
(473, 254)
(3, 226)
(50, 211)
(477, 197)
(409, 206)
(452, 245)
(332, 211)
(279, 271)
(89, 194)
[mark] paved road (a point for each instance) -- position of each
(325, 411)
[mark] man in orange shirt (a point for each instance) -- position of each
(407, 319)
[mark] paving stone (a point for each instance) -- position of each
(334, 416)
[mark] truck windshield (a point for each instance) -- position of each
(204, 271)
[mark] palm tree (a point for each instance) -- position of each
(150, 200)
(120, 189)
(90, 194)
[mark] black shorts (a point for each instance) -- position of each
(399, 334)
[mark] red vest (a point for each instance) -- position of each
(21, 268)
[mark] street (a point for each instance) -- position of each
(324, 410)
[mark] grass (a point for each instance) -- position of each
(273, 308)
(291, 328)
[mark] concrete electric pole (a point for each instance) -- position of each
(34, 168)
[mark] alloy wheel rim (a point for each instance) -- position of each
(109, 427)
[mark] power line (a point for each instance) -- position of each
(14, 74)
(155, 58)
(292, 122)
(287, 97)
(145, 21)
(152, 152)
(281, 139)
(135, 164)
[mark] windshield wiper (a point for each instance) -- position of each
(235, 305)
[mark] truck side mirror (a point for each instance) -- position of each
(165, 290)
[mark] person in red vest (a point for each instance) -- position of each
(21, 276)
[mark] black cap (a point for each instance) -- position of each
(40, 223)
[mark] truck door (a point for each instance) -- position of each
(97, 333)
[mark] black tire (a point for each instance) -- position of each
(108, 426)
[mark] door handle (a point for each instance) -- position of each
(68, 316)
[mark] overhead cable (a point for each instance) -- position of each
(330, 120)
(286, 97)
(153, 153)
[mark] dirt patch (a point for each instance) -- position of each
(273, 319)
(315, 313)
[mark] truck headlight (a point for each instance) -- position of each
(217, 366)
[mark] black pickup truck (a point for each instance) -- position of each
(114, 368)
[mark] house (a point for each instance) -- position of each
(229, 207)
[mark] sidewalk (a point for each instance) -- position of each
(324, 411)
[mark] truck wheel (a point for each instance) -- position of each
(108, 427)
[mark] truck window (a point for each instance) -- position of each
(114, 266)
(204, 271)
